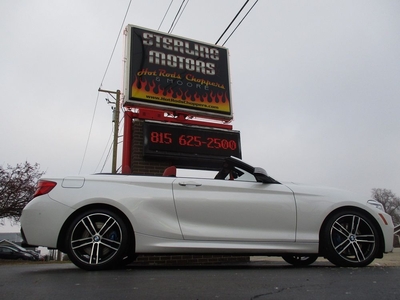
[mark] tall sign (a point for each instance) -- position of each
(176, 74)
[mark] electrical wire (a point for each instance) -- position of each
(105, 161)
(231, 22)
(240, 23)
(90, 132)
(111, 145)
(180, 15)
(104, 151)
(116, 43)
(180, 7)
(101, 84)
(162, 21)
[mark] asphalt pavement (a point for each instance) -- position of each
(389, 260)
(261, 278)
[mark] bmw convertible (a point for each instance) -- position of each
(104, 221)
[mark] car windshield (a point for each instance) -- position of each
(232, 172)
(231, 169)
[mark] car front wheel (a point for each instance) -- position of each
(97, 240)
(350, 239)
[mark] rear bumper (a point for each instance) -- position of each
(41, 221)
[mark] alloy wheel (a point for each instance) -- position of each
(96, 239)
(353, 239)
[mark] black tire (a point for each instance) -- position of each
(127, 259)
(350, 239)
(97, 240)
(130, 254)
(300, 260)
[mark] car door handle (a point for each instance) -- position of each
(190, 183)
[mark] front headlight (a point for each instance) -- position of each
(376, 204)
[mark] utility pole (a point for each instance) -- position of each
(116, 127)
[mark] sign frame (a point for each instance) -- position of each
(182, 141)
(176, 74)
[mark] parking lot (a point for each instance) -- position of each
(261, 278)
(388, 260)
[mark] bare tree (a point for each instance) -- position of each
(17, 186)
(390, 202)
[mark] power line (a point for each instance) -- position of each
(105, 160)
(180, 7)
(110, 147)
(162, 21)
(232, 22)
(116, 42)
(90, 132)
(104, 151)
(180, 15)
(240, 22)
(101, 84)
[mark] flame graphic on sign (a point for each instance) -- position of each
(151, 90)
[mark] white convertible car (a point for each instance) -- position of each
(104, 221)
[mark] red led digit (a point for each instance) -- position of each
(154, 138)
(210, 143)
(224, 144)
(197, 141)
(232, 145)
(182, 140)
(167, 138)
(190, 140)
(217, 143)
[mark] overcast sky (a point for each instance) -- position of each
(315, 84)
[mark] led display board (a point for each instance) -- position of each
(176, 74)
(165, 140)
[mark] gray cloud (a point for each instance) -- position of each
(314, 83)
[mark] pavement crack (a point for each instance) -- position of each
(276, 291)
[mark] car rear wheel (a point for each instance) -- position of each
(97, 240)
(300, 260)
(350, 239)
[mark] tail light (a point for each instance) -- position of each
(43, 187)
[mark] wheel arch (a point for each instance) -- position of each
(61, 236)
(372, 219)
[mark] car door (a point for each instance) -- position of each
(230, 210)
